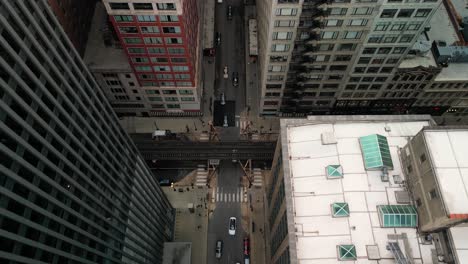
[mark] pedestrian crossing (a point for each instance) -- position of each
(229, 195)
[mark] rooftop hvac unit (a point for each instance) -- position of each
(384, 175)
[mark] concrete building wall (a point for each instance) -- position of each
(423, 185)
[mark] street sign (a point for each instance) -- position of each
(214, 161)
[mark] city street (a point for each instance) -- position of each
(229, 196)
(230, 52)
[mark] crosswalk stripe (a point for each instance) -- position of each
(228, 196)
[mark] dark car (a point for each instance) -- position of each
(235, 78)
(246, 246)
(229, 12)
(218, 38)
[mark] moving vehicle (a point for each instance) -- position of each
(219, 249)
(225, 72)
(225, 122)
(218, 38)
(235, 79)
(229, 12)
(223, 101)
(232, 226)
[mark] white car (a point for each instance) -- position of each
(232, 226)
(226, 72)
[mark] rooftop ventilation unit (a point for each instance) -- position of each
(328, 138)
(384, 175)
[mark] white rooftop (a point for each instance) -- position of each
(441, 26)
(318, 233)
(453, 72)
(459, 236)
(449, 155)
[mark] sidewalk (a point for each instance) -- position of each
(257, 237)
(190, 227)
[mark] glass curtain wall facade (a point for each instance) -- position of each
(73, 188)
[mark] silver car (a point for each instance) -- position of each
(219, 249)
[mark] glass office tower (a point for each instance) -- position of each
(73, 188)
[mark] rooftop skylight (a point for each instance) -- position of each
(376, 152)
(334, 171)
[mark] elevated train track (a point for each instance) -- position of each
(188, 150)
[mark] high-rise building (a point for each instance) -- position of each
(162, 42)
(338, 192)
(73, 187)
(74, 18)
(319, 56)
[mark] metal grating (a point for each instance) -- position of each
(397, 253)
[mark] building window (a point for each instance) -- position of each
(136, 50)
(390, 39)
(155, 99)
(388, 13)
(178, 60)
(166, 6)
(164, 76)
(392, 61)
(171, 29)
(352, 35)
(180, 76)
(286, 11)
(169, 91)
(159, 60)
(399, 50)
(333, 22)
(358, 22)
(282, 35)
(423, 12)
(146, 76)
(329, 35)
(143, 68)
(285, 23)
(362, 11)
(119, 6)
(173, 106)
(153, 40)
(146, 18)
(185, 92)
(142, 6)
(149, 30)
(384, 50)
(180, 68)
(162, 68)
(176, 50)
(414, 26)
(276, 68)
(152, 91)
(369, 50)
(280, 47)
(386, 69)
(405, 12)
(433, 194)
(187, 99)
(156, 50)
(166, 83)
(398, 26)
(382, 26)
(157, 106)
(132, 40)
(128, 30)
(123, 18)
(406, 38)
(171, 99)
(173, 40)
(337, 11)
(168, 18)
(378, 61)
(375, 38)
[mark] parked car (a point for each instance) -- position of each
(219, 249)
(235, 79)
(223, 100)
(232, 226)
(246, 246)
(229, 12)
(225, 121)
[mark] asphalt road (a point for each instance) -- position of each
(231, 52)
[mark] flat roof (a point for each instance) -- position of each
(461, 7)
(441, 26)
(459, 236)
(453, 72)
(311, 195)
(449, 155)
(97, 55)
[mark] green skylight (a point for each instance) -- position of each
(347, 252)
(397, 215)
(334, 171)
(376, 152)
(340, 209)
